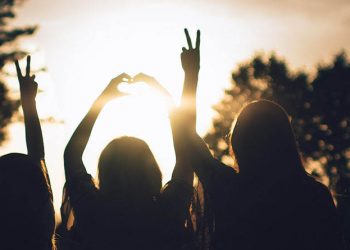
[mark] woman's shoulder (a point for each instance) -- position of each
(223, 170)
(316, 185)
(318, 192)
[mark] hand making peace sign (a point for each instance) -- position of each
(190, 58)
(28, 87)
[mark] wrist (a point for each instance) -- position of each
(192, 72)
(102, 100)
(28, 105)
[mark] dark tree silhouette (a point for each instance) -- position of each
(320, 108)
(331, 107)
(8, 53)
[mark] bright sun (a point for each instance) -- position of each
(143, 114)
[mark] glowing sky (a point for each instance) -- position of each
(86, 43)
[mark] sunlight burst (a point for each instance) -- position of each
(143, 114)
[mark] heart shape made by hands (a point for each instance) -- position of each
(149, 87)
(140, 83)
(131, 87)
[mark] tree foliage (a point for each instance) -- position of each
(319, 107)
(8, 53)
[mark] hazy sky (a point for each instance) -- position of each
(89, 42)
(86, 43)
(87, 32)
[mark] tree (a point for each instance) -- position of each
(8, 53)
(331, 112)
(319, 108)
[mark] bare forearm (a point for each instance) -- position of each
(75, 148)
(188, 101)
(34, 137)
(73, 153)
(190, 83)
(82, 133)
(182, 170)
(190, 89)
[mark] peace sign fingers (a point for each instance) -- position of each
(190, 58)
(27, 84)
(28, 66)
(198, 39)
(18, 69)
(189, 41)
(188, 38)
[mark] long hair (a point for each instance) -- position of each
(127, 170)
(27, 214)
(265, 149)
(263, 142)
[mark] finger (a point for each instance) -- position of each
(141, 75)
(32, 78)
(198, 39)
(28, 66)
(119, 79)
(125, 76)
(189, 42)
(184, 49)
(18, 69)
(137, 76)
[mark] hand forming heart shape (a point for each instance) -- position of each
(139, 78)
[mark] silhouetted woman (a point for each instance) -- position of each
(27, 214)
(271, 203)
(127, 210)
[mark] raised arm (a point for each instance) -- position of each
(182, 170)
(197, 151)
(73, 153)
(190, 60)
(28, 90)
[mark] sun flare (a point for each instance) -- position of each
(143, 114)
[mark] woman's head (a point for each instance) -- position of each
(27, 211)
(127, 169)
(263, 142)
